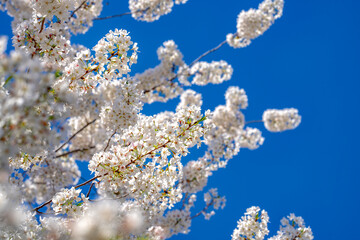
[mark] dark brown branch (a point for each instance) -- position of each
(108, 142)
(204, 210)
(42, 205)
(253, 121)
(207, 53)
(74, 151)
(184, 201)
(77, 9)
(89, 123)
(191, 64)
(42, 25)
(77, 186)
(90, 180)
(88, 193)
(113, 16)
(120, 15)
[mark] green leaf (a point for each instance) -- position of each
(201, 120)
(8, 80)
(58, 74)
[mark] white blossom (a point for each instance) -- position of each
(62, 103)
(151, 10)
(190, 97)
(251, 138)
(158, 83)
(254, 22)
(67, 201)
(109, 219)
(252, 226)
(277, 120)
(236, 98)
(293, 227)
(214, 72)
(3, 44)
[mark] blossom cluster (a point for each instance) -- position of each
(253, 226)
(158, 83)
(151, 10)
(214, 72)
(27, 104)
(43, 175)
(61, 103)
(277, 120)
(254, 22)
(293, 227)
(67, 201)
(17, 222)
(169, 79)
(109, 220)
(111, 61)
(85, 11)
(145, 163)
(122, 104)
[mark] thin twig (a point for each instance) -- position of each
(204, 210)
(253, 121)
(90, 180)
(184, 201)
(42, 25)
(207, 52)
(88, 193)
(74, 151)
(121, 14)
(42, 205)
(191, 64)
(77, 186)
(77, 9)
(113, 16)
(108, 142)
(75, 135)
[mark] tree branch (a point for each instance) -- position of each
(253, 121)
(204, 210)
(108, 142)
(74, 151)
(89, 123)
(42, 25)
(90, 180)
(207, 53)
(88, 193)
(184, 201)
(42, 205)
(113, 16)
(120, 15)
(77, 186)
(191, 64)
(77, 9)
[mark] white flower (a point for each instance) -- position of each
(252, 226)
(276, 120)
(67, 201)
(151, 10)
(3, 44)
(236, 98)
(251, 138)
(214, 72)
(293, 227)
(254, 22)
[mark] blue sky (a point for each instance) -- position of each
(309, 59)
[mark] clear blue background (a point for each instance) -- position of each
(309, 59)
